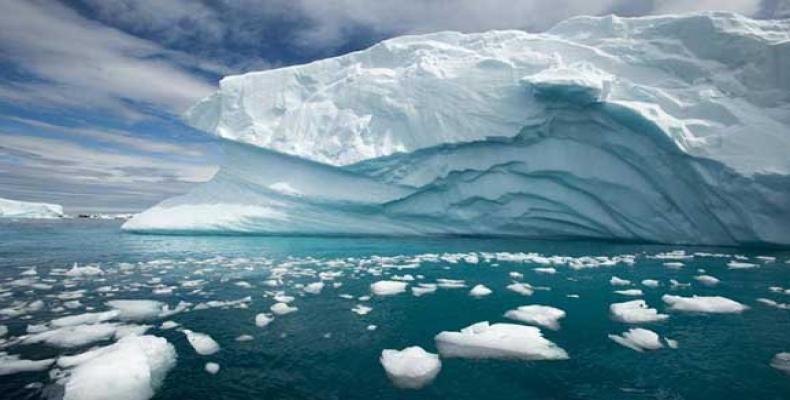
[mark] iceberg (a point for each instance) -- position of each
(25, 209)
(669, 129)
(410, 368)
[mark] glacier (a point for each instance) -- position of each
(669, 129)
(25, 209)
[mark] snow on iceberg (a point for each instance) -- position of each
(665, 128)
(25, 209)
(703, 304)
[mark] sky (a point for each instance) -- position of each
(91, 91)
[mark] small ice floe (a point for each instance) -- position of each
(781, 361)
(703, 304)
(707, 280)
(630, 292)
(203, 344)
(76, 271)
(572, 296)
(361, 309)
(638, 339)
(282, 298)
(635, 312)
(87, 318)
(12, 364)
(775, 304)
(244, 338)
(524, 289)
(423, 288)
(81, 335)
(212, 368)
(388, 288)
(169, 325)
(671, 343)
(545, 316)
(262, 320)
(450, 283)
(733, 264)
(131, 369)
(516, 275)
(766, 259)
(282, 309)
(405, 278)
(502, 340)
(410, 368)
(243, 284)
(371, 327)
(480, 291)
(615, 281)
(342, 296)
(29, 272)
(651, 283)
(136, 310)
(545, 270)
(674, 284)
(314, 288)
(674, 265)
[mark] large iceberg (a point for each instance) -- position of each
(671, 129)
(26, 209)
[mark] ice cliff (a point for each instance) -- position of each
(671, 129)
(25, 209)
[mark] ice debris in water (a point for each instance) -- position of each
(480, 291)
(203, 344)
(630, 292)
(502, 340)
(388, 288)
(781, 361)
(12, 364)
(361, 309)
(314, 288)
(263, 319)
(638, 339)
(423, 288)
(635, 312)
(703, 304)
(131, 369)
(707, 280)
(212, 368)
(545, 316)
(615, 281)
(137, 310)
(524, 289)
(410, 368)
(282, 309)
(651, 283)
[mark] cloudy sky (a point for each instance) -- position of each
(91, 90)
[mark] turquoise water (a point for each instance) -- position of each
(324, 351)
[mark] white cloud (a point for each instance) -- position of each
(79, 63)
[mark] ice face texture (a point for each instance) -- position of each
(26, 209)
(669, 129)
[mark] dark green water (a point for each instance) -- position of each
(324, 351)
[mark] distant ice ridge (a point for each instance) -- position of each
(670, 129)
(26, 209)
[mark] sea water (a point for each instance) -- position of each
(326, 351)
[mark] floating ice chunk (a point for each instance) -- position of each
(638, 339)
(12, 364)
(244, 338)
(262, 320)
(707, 280)
(516, 275)
(766, 259)
(281, 298)
(703, 304)
(630, 292)
(73, 336)
(781, 361)
(202, 343)
(88, 270)
(87, 318)
(674, 265)
(505, 341)
(371, 327)
(635, 312)
(615, 281)
(243, 284)
(361, 309)
(671, 343)
(314, 288)
(547, 270)
(388, 288)
(423, 288)
(410, 368)
(480, 291)
(3, 331)
(651, 283)
(212, 368)
(131, 369)
(524, 289)
(774, 304)
(545, 316)
(450, 283)
(136, 310)
(282, 309)
(741, 265)
(168, 325)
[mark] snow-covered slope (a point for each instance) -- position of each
(673, 129)
(24, 209)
